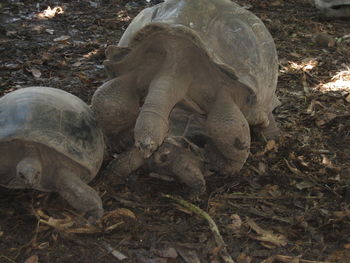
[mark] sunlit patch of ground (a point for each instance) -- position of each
(339, 82)
(50, 12)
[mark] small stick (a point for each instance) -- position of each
(287, 259)
(212, 225)
(118, 255)
(8, 259)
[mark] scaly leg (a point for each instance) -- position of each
(116, 104)
(78, 194)
(167, 88)
(126, 163)
(230, 136)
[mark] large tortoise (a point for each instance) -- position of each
(211, 55)
(51, 141)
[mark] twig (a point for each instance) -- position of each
(237, 196)
(287, 259)
(262, 214)
(8, 259)
(118, 255)
(212, 225)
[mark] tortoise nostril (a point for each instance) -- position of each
(163, 158)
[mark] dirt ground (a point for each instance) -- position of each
(291, 199)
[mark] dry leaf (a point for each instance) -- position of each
(348, 98)
(262, 167)
(287, 259)
(77, 64)
(270, 145)
(304, 185)
(311, 109)
(168, 253)
(277, 3)
(320, 123)
(50, 12)
(36, 73)
(243, 258)
(182, 209)
(37, 61)
(294, 170)
(46, 56)
(340, 256)
(32, 259)
(61, 38)
(267, 236)
(58, 223)
(330, 116)
(340, 215)
(295, 54)
(118, 213)
(189, 255)
(50, 31)
(83, 78)
(236, 223)
(118, 255)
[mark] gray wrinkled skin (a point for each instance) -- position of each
(50, 141)
(334, 8)
(181, 156)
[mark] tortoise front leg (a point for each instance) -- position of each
(230, 136)
(116, 104)
(167, 88)
(79, 195)
(126, 163)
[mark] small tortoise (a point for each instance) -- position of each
(50, 141)
(181, 155)
(334, 8)
(212, 55)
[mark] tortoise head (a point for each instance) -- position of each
(28, 172)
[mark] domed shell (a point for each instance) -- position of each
(232, 37)
(56, 119)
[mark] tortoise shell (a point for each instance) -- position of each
(232, 38)
(55, 119)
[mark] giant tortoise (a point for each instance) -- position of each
(51, 141)
(213, 56)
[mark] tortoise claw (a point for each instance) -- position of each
(147, 147)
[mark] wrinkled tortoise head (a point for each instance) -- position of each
(28, 172)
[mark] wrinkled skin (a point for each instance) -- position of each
(181, 156)
(334, 8)
(223, 67)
